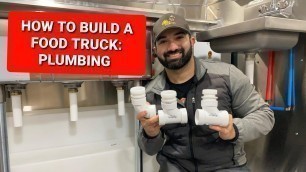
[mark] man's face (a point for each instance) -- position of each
(174, 48)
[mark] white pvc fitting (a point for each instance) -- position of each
(170, 113)
(138, 98)
(120, 98)
(73, 100)
(249, 66)
(17, 110)
(210, 118)
(210, 114)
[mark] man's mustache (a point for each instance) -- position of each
(168, 53)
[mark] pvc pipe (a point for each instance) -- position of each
(138, 98)
(4, 148)
(293, 79)
(16, 107)
(73, 99)
(120, 98)
(289, 91)
(210, 114)
(249, 66)
(275, 108)
(270, 77)
(291, 85)
(170, 113)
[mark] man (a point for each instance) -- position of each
(188, 147)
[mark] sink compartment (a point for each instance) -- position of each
(260, 34)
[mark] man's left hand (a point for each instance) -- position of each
(225, 132)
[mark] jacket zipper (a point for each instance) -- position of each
(190, 137)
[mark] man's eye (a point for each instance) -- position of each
(180, 37)
(161, 42)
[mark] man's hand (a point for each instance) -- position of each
(227, 132)
(151, 125)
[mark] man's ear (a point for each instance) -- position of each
(154, 52)
(192, 40)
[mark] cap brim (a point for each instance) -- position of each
(171, 27)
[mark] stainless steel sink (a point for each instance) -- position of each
(259, 34)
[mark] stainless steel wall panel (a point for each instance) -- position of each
(284, 148)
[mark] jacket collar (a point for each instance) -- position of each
(159, 83)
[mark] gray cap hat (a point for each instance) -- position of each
(168, 21)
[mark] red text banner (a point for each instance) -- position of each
(76, 43)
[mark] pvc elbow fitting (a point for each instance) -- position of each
(138, 98)
(210, 114)
(170, 113)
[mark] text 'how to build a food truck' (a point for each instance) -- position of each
(107, 44)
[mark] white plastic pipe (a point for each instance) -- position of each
(73, 99)
(120, 98)
(170, 113)
(210, 114)
(138, 98)
(249, 66)
(17, 109)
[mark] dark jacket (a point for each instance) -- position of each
(188, 147)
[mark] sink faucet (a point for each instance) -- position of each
(273, 5)
(282, 4)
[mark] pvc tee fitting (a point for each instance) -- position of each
(210, 114)
(170, 113)
(138, 97)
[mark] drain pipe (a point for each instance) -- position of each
(73, 99)
(4, 153)
(249, 66)
(120, 97)
(15, 93)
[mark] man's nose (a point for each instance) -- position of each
(173, 46)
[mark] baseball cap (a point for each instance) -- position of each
(169, 21)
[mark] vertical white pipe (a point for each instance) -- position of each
(249, 66)
(17, 109)
(73, 99)
(120, 98)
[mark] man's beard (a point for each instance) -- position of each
(176, 63)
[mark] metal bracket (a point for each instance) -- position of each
(73, 85)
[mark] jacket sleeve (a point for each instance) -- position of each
(150, 145)
(252, 115)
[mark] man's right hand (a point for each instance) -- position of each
(150, 125)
